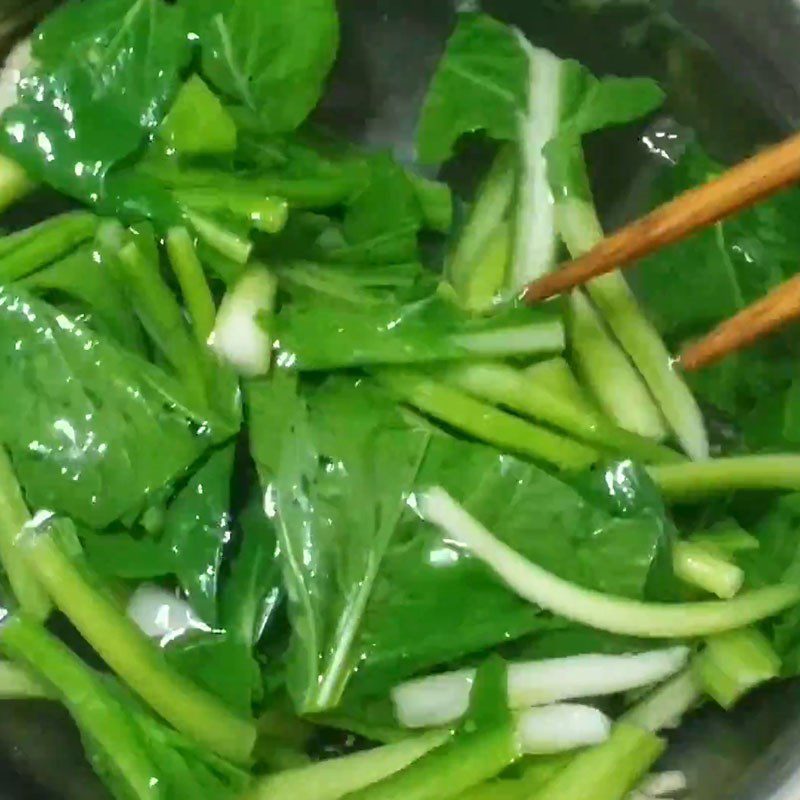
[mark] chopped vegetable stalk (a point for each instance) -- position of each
(483, 421)
(689, 481)
(699, 566)
(264, 213)
(14, 183)
(581, 230)
(161, 316)
(19, 683)
(240, 337)
(538, 337)
(726, 539)
(609, 374)
(189, 272)
(481, 289)
(536, 237)
(301, 192)
(666, 706)
(29, 250)
(441, 699)
(555, 375)
(14, 516)
(97, 713)
(488, 213)
(465, 761)
(436, 202)
(136, 660)
(561, 727)
(597, 610)
(227, 242)
(503, 385)
(734, 663)
(613, 769)
(337, 777)
(158, 613)
(606, 772)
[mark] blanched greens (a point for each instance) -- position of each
(282, 443)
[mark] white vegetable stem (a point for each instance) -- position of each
(159, 614)
(536, 237)
(561, 727)
(240, 337)
(441, 699)
(595, 609)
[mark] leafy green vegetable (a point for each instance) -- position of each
(735, 663)
(138, 757)
(224, 661)
(105, 72)
(26, 251)
(138, 661)
(461, 412)
(382, 221)
(198, 123)
(122, 555)
(335, 778)
(93, 430)
(14, 515)
(271, 58)
(197, 527)
(484, 746)
(83, 277)
(160, 314)
(321, 333)
(609, 771)
(338, 481)
(480, 85)
(582, 533)
(737, 261)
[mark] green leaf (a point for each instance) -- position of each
(104, 75)
(319, 333)
(84, 276)
(197, 527)
(584, 533)
(338, 483)
(591, 104)
(382, 221)
(735, 262)
(198, 123)
(481, 84)
(249, 598)
(254, 589)
(137, 756)
(121, 555)
(93, 430)
(273, 58)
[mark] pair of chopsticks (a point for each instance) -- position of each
(739, 188)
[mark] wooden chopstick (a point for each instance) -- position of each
(740, 187)
(780, 306)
